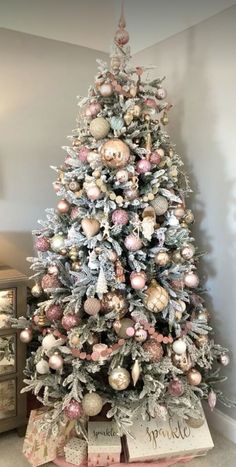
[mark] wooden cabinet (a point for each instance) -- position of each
(13, 302)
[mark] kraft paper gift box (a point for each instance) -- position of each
(40, 446)
(158, 440)
(104, 445)
(76, 451)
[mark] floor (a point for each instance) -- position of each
(223, 455)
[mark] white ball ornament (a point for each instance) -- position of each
(26, 335)
(92, 404)
(56, 361)
(49, 342)
(179, 347)
(42, 367)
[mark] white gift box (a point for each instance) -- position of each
(104, 445)
(76, 451)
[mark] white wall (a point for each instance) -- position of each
(201, 74)
(39, 82)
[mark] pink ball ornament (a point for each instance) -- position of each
(54, 313)
(138, 280)
(83, 154)
(121, 37)
(176, 388)
(70, 321)
(56, 361)
(131, 194)
(42, 244)
(93, 193)
(133, 242)
(95, 108)
(191, 280)
(50, 282)
(161, 93)
(155, 158)
(143, 166)
(26, 335)
(73, 410)
(120, 217)
(106, 89)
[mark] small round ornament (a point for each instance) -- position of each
(57, 243)
(194, 377)
(115, 153)
(114, 301)
(161, 93)
(140, 335)
(42, 367)
(154, 350)
(179, 212)
(92, 306)
(119, 379)
(56, 361)
(131, 194)
(224, 359)
(133, 242)
(120, 217)
(92, 404)
(182, 362)
(124, 324)
(162, 258)
(63, 206)
(42, 244)
(99, 128)
(74, 186)
(176, 388)
(179, 346)
(143, 166)
(54, 313)
(106, 89)
(70, 321)
(122, 176)
(50, 282)
(160, 204)
(157, 297)
(36, 290)
(94, 108)
(191, 280)
(93, 193)
(155, 158)
(49, 342)
(188, 251)
(73, 410)
(138, 280)
(26, 335)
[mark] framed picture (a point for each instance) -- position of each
(7, 354)
(7, 306)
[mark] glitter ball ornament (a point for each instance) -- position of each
(99, 128)
(95, 108)
(131, 194)
(42, 367)
(54, 313)
(124, 324)
(70, 321)
(115, 153)
(183, 362)
(92, 306)
(161, 93)
(138, 280)
(119, 379)
(114, 301)
(194, 377)
(156, 156)
(154, 350)
(188, 251)
(92, 404)
(143, 166)
(63, 206)
(140, 335)
(36, 290)
(83, 154)
(106, 90)
(224, 359)
(157, 297)
(93, 193)
(191, 280)
(179, 346)
(120, 217)
(57, 243)
(49, 342)
(73, 410)
(162, 258)
(56, 361)
(90, 227)
(122, 176)
(26, 335)
(133, 242)
(176, 388)
(160, 204)
(50, 282)
(42, 244)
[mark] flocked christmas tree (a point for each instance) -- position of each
(121, 321)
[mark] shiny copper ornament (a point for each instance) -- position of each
(115, 153)
(194, 377)
(114, 301)
(154, 350)
(63, 206)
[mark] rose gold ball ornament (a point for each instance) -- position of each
(194, 377)
(162, 258)
(138, 280)
(36, 290)
(63, 206)
(131, 194)
(70, 321)
(93, 193)
(176, 387)
(57, 243)
(42, 244)
(154, 350)
(94, 108)
(124, 325)
(188, 252)
(99, 128)
(179, 346)
(160, 205)
(224, 359)
(106, 89)
(73, 410)
(92, 306)
(143, 166)
(119, 379)
(92, 404)
(140, 335)
(133, 243)
(56, 361)
(114, 301)
(50, 282)
(191, 280)
(54, 313)
(26, 335)
(115, 153)
(120, 217)
(157, 297)
(161, 94)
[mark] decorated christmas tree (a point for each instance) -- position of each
(121, 321)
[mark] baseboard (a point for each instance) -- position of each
(222, 423)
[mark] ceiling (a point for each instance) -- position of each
(91, 23)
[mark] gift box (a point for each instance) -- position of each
(40, 446)
(76, 451)
(156, 440)
(104, 445)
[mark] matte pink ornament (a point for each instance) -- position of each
(130, 332)
(54, 312)
(176, 388)
(56, 361)
(42, 244)
(95, 108)
(133, 242)
(138, 280)
(106, 89)
(120, 217)
(73, 410)
(191, 280)
(70, 321)
(93, 193)
(143, 166)
(83, 154)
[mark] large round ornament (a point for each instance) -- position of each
(42, 367)
(26, 335)
(179, 346)
(138, 280)
(154, 350)
(54, 312)
(92, 306)
(57, 243)
(56, 361)
(176, 387)
(160, 204)
(92, 404)
(90, 227)
(70, 321)
(50, 282)
(106, 89)
(157, 297)
(114, 301)
(63, 206)
(49, 342)
(188, 252)
(124, 324)
(119, 379)
(115, 153)
(42, 244)
(162, 258)
(73, 410)
(133, 242)
(120, 217)
(191, 280)
(99, 128)
(194, 377)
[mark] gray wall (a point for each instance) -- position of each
(39, 82)
(201, 74)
